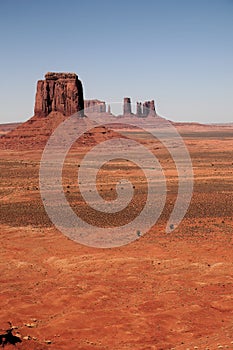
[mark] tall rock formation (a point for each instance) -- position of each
(127, 106)
(148, 108)
(59, 92)
(152, 108)
(139, 109)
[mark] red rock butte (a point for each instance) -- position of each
(59, 92)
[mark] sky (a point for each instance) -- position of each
(177, 52)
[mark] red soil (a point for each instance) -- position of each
(160, 292)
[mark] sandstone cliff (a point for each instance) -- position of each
(59, 92)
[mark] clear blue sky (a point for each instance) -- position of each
(178, 52)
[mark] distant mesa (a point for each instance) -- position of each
(95, 106)
(59, 92)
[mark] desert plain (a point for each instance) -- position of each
(160, 292)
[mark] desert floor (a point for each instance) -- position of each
(163, 291)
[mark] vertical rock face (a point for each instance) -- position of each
(152, 108)
(59, 92)
(127, 106)
(95, 106)
(148, 108)
(139, 109)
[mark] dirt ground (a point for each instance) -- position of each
(163, 291)
(5, 128)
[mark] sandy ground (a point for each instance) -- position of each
(163, 291)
